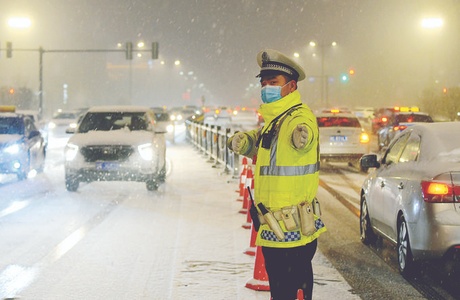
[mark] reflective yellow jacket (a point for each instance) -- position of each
(285, 176)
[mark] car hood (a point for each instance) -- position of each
(113, 137)
(9, 138)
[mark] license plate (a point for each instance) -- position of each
(106, 166)
(338, 138)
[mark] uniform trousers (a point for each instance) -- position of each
(290, 269)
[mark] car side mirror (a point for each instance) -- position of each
(34, 133)
(369, 161)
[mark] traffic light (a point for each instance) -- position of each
(129, 50)
(344, 77)
(155, 50)
(9, 49)
(444, 90)
(351, 71)
(11, 91)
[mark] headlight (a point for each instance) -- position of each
(13, 149)
(73, 125)
(70, 152)
(51, 125)
(170, 128)
(146, 151)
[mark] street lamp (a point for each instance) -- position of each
(321, 49)
(19, 22)
(431, 24)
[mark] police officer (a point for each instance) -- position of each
(286, 156)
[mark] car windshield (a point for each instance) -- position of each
(11, 126)
(65, 115)
(162, 116)
(338, 121)
(106, 121)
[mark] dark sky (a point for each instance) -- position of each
(394, 58)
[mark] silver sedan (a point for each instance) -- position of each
(412, 198)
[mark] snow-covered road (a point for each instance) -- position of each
(116, 240)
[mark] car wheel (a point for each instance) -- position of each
(71, 183)
(22, 175)
(367, 234)
(406, 262)
(152, 185)
(162, 175)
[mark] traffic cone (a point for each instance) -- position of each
(252, 244)
(247, 225)
(248, 183)
(243, 179)
(259, 282)
(300, 294)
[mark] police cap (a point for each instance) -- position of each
(273, 62)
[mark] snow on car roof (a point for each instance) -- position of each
(438, 141)
(119, 108)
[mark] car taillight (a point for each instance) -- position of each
(399, 128)
(438, 192)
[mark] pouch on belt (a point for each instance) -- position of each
(307, 218)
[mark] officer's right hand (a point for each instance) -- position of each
(239, 142)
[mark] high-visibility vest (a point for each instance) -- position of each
(285, 176)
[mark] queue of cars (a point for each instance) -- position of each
(412, 198)
(398, 122)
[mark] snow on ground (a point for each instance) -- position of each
(185, 241)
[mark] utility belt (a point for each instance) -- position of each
(294, 217)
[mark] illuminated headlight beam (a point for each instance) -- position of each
(146, 151)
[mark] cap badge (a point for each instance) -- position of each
(265, 57)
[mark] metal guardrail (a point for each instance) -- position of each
(211, 141)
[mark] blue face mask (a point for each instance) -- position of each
(271, 93)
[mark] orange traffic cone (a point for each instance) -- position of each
(248, 183)
(259, 282)
(300, 294)
(242, 178)
(252, 244)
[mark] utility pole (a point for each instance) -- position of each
(324, 78)
(128, 51)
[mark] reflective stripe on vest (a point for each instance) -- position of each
(273, 169)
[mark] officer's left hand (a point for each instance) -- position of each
(300, 136)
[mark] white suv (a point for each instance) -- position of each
(116, 143)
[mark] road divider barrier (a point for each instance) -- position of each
(211, 141)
